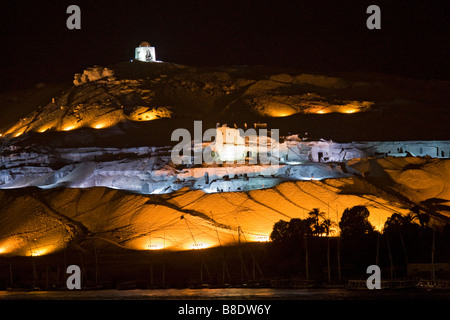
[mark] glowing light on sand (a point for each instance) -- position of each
(7, 246)
(200, 245)
(262, 238)
(350, 111)
(281, 114)
(68, 128)
(154, 247)
(99, 125)
(196, 246)
(35, 253)
(41, 250)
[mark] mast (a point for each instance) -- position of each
(32, 261)
(164, 260)
(96, 265)
(328, 246)
(10, 275)
(240, 254)
(306, 258)
(433, 271)
(390, 257)
(338, 246)
(202, 262)
(151, 261)
(243, 268)
(34, 273)
(224, 266)
(47, 283)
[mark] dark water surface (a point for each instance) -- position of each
(228, 294)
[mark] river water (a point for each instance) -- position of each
(227, 294)
(228, 303)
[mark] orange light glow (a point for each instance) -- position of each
(99, 126)
(146, 117)
(7, 246)
(68, 128)
(152, 117)
(279, 112)
(197, 246)
(350, 111)
(262, 238)
(283, 114)
(39, 252)
(154, 247)
(200, 245)
(18, 134)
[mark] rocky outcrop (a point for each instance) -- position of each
(93, 74)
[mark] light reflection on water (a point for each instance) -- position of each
(223, 294)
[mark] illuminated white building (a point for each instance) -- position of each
(145, 52)
(230, 146)
(233, 144)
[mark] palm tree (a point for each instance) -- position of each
(424, 218)
(326, 226)
(410, 217)
(320, 228)
(316, 215)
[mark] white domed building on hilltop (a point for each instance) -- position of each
(145, 52)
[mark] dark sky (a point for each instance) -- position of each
(320, 35)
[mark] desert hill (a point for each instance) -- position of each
(134, 104)
(134, 97)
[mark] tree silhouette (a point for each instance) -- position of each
(316, 215)
(293, 231)
(409, 238)
(354, 223)
(326, 226)
(359, 239)
(290, 246)
(424, 218)
(396, 221)
(279, 232)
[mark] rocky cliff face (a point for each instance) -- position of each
(326, 106)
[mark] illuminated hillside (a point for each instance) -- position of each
(39, 222)
(97, 151)
(133, 94)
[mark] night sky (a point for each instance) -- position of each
(311, 36)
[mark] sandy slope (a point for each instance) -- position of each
(44, 221)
